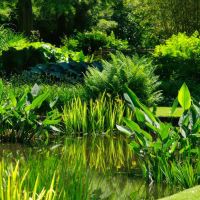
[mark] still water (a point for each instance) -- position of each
(118, 182)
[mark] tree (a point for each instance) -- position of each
(25, 16)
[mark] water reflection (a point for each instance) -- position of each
(111, 185)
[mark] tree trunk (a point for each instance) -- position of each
(25, 16)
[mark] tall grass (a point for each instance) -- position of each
(96, 117)
(14, 187)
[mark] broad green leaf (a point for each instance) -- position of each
(147, 135)
(21, 103)
(157, 145)
(13, 98)
(134, 145)
(137, 103)
(139, 115)
(51, 121)
(174, 106)
(132, 98)
(184, 97)
(155, 129)
(132, 125)
(141, 139)
(164, 130)
(37, 102)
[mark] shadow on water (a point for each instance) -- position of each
(111, 164)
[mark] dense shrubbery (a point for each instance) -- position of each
(179, 56)
(137, 73)
(178, 61)
(18, 58)
(91, 42)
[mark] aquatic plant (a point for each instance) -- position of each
(94, 117)
(157, 144)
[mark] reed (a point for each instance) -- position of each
(96, 117)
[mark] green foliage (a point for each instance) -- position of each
(71, 72)
(94, 117)
(137, 73)
(161, 146)
(178, 61)
(8, 38)
(30, 116)
(6, 8)
(179, 56)
(171, 19)
(184, 97)
(105, 25)
(93, 41)
(21, 181)
(19, 57)
(40, 115)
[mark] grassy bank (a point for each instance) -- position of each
(192, 194)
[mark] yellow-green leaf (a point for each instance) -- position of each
(184, 97)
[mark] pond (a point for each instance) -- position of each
(111, 166)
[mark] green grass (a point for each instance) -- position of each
(189, 194)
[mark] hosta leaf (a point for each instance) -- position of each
(184, 97)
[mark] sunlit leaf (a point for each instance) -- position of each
(184, 97)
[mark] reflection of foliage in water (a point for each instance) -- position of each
(74, 164)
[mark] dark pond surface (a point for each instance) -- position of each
(107, 186)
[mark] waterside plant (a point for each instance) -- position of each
(165, 152)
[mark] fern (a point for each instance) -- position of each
(137, 73)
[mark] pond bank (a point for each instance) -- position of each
(189, 194)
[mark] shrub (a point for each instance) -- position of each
(179, 56)
(137, 73)
(9, 38)
(20, 57)
(178, 61)
(93, 41)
